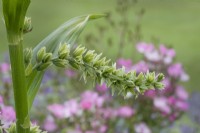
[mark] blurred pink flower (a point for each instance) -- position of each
(184, 77)
(49, 124)
(70, 73)
(175, 70)
(108, 112)
(161, 103)
(103, 129)
(91, 99)
(125, 111)
(71, 108)
(127, 63)
(86, 104)
(153, 56)
(167, 52)
(181, 93)
(150, 93)
(99, 101)
(4, 67)
(57, 110)
(166, 82)
(143, 47)
(102, 88)
(182, 105)
(8, 113)
(140, 67)
(142, 128)
(171, 100)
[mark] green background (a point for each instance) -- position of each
(174, 22)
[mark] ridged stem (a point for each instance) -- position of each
(19, 86)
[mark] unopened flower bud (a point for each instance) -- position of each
(40, 54)
(74, 65)
(29, 69)
(63, 51)
(43, 66)
(60, 62)
(159, 85)
(27, 25)
(89, 56)
(28, 55)
(150, 77)
(100, 62)
(160, 77)
(79, 51)
(47, 57)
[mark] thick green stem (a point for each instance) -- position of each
(19, 86)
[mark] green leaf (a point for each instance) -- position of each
(66, 33)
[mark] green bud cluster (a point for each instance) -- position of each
(12, 129)
(94, 65)
(27, 25)
(43, 59)
(28, 53)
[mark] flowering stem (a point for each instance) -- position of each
(19, 86)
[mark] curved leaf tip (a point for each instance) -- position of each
(96, 16)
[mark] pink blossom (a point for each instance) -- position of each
(171, 100)
(163, 49)
(140, 67)
(161, 104)
(49, 124)
(4, 67)
(184, 77)
(167, 60)
(143, 47)
(86, 104)
(71, 108)
(103, 129)
(168, 88)
(181, 93)
(108, 112)
(153, 56)
(181, 105)
(142, 128)
(102, 88)
(167, 52)
(8, 113)
(125, 111)
(70, 73)
(57, 110)
(175, 70)
(91, 99)
(99, 102)
(127, 63)
(166, 82)
(150, 93)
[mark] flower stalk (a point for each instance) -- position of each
(94, 66)
(19, 86)
(14, 12)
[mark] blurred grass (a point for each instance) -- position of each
(174, 22)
